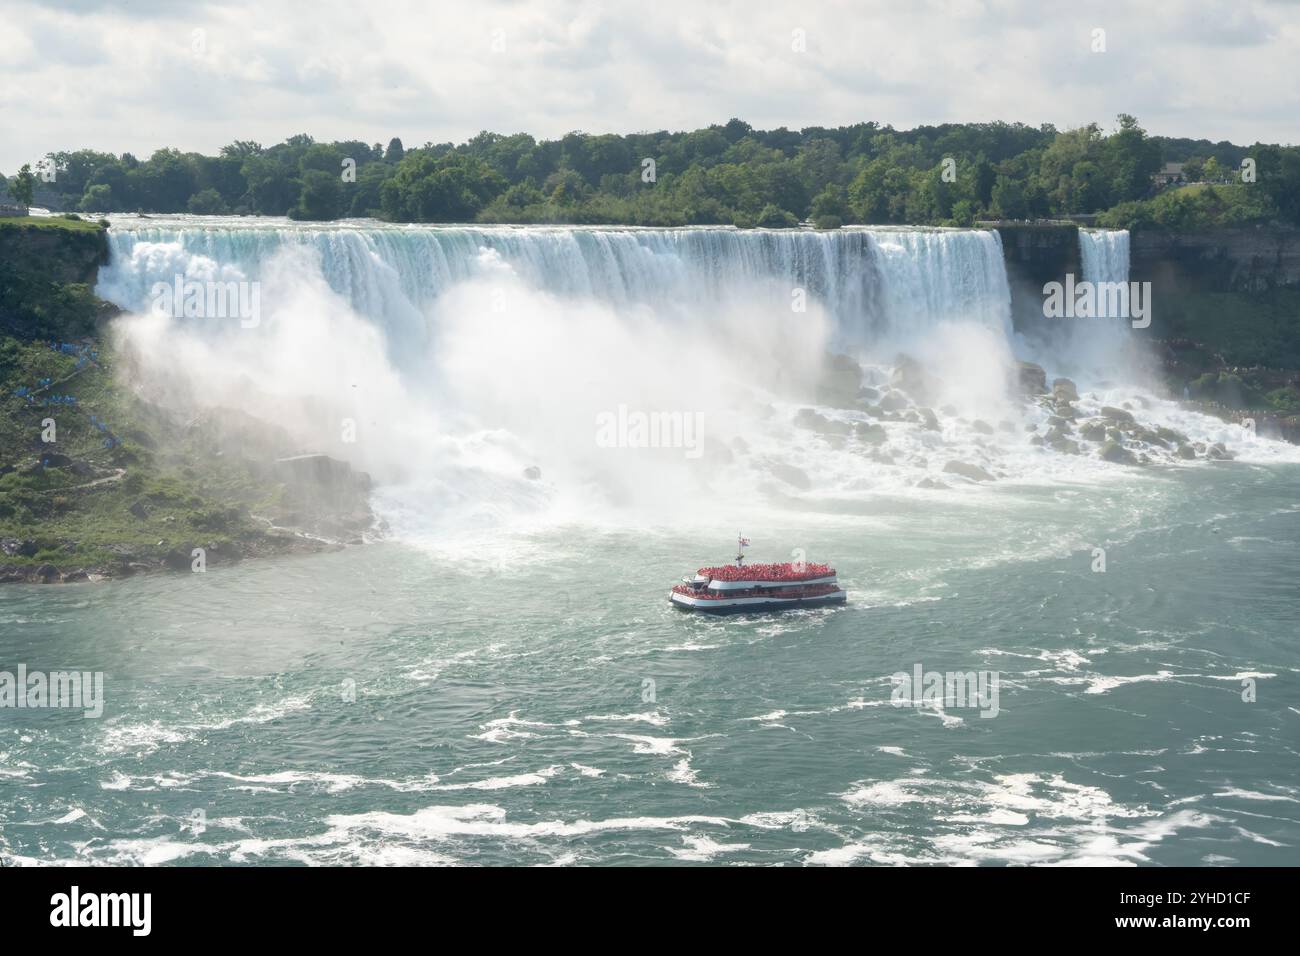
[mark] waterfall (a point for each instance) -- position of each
(1104, 254)
(1102, 349)
(879, 286)
(449, 361)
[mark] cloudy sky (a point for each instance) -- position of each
(135, 76)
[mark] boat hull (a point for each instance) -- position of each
(754, 605)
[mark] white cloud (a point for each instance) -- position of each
(90, 74)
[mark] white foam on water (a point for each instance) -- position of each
(701, 849)
(148, 736)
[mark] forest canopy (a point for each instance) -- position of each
(952, 174)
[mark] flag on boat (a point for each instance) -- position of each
(744, 542)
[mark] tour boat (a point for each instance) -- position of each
(737, 588)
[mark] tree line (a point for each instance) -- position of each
(951, 174)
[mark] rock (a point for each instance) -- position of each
(930, 419)
(1186, 451)
(870, 433)
(911, 377)
(1065, 390)
(1065, 410)
(1093, 431)
(1219, 452)
(76, 577)
(1064, 446)
(967, 470)
(1171, 435)
(894, 401)
(1031, 378)
(19, 548)
(1113, 451)
(928, 482)
(981, 426)
(178, 559)
(139, 509)
(813, 420)
(1117, 414)
(1036, 440)
(533, 473)
(840, 380)
(46, 574)
(790, 475)
(1148, 435)
(868, 394)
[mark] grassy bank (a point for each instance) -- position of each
(95, 479)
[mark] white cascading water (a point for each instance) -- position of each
(1104, 349)
(1104, 254)
(877, 284)
(465, 354)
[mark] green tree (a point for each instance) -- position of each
(321, 197)
(1009, 199)
(98, 198)
(207, 202)
(23, 185)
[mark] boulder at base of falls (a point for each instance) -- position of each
(533, 473)
(1093, 431)
(1116, 414)
(1115, 452)
(932, 483)
(815, 421)
(1063, 445)
(839, 382)
(930, 419)
(981, 426)
(870, 433)
(1064, 390)
(967, 470)
(893, 402)
(1219, 452)
(1030, 378)
(911, 377)
(1186, 451)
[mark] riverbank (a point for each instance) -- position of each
(99, 479)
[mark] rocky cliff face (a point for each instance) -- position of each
(1254, 259)
(1036, 254)
(47, 274)
(58, 254)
